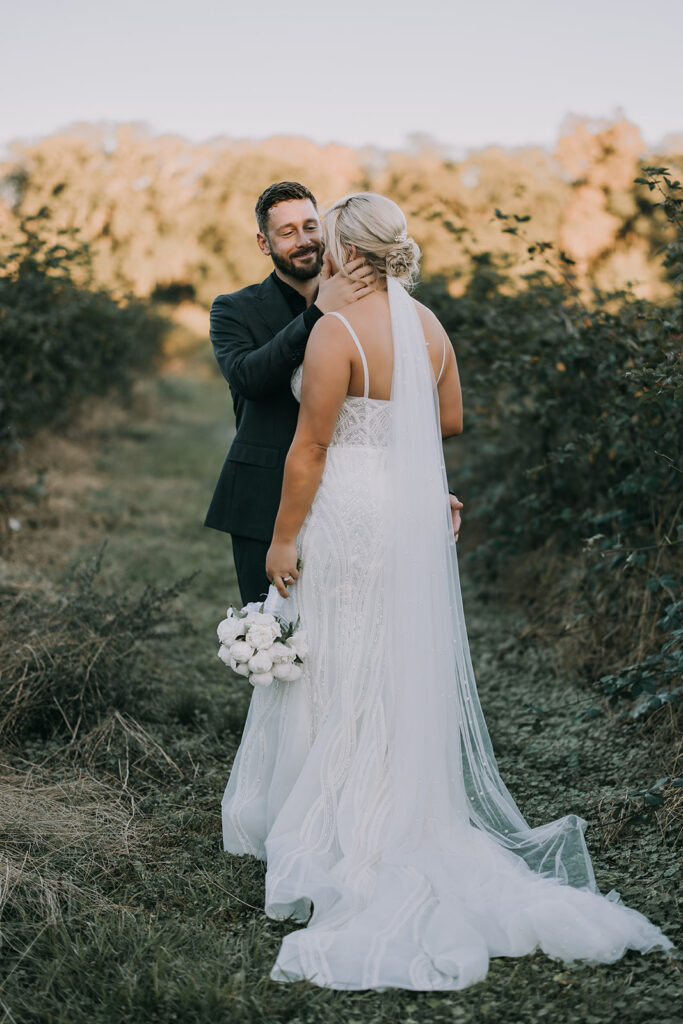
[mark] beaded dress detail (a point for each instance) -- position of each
(311, 789)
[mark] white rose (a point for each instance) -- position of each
(299, 643)
(281, 669)
(229, 629)
(260, 662)
(261, 678)
(263, 618)
(266, 619)
(239, 667)
(241, 650)
(256, 617)
(260, 636)
(281, 652)
(252, 607)
(287, 671)
(224, 654)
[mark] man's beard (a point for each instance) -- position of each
(300, 273)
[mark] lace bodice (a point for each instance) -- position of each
(362, 422)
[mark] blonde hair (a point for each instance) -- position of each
(377, 227)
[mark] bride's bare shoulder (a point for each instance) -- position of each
(431, 324)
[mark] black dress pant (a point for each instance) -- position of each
(250, 564)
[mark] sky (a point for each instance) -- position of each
(467, 74)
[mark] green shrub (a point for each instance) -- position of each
(61, 340)
(572, 457)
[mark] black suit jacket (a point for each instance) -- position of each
(257, 345)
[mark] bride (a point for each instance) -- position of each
(369, 785)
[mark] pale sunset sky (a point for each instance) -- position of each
(466, 73)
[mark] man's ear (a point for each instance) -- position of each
(263, 243)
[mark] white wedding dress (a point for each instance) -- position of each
(369, 785)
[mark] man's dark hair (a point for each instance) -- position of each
(280, 192)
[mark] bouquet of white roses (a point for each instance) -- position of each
(261, 646)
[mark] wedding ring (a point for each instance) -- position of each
(287, 579)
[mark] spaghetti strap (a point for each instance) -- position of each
(366, 375)
(443, 361)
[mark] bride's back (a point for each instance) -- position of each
(371, 321)
(373, 226)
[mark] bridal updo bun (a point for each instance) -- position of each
(377, 227)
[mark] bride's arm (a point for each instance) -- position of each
(450, 395)
(446, 372)
(325, 384)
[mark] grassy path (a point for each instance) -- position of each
(171, 929)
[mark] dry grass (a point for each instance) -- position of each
(66, 659)
(48, 823)
(78, 807)
(120, 736)
(618, 821)
(71, 657)
(42, 491)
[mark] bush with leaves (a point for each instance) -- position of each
(573, 460)
(60, 338)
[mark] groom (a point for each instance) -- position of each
(259, 336)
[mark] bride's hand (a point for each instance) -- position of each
(281, 565)
(455, 514)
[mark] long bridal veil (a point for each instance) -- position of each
(442, 757)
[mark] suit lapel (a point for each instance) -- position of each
(272, 306)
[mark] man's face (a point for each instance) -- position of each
(294, 239)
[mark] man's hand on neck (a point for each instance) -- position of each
(335, 291)
(332, 292)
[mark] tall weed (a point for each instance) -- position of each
(69, 658)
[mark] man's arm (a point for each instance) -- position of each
(251, 370)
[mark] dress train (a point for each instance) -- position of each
(376, 801)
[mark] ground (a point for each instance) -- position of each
(162, 925)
